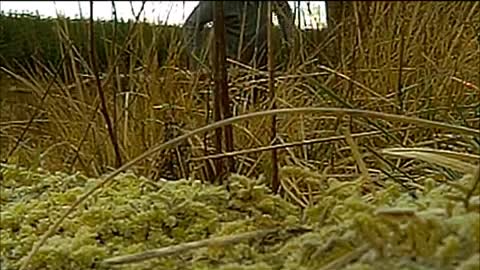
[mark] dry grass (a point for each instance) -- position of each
(418, 59)
(390, 64)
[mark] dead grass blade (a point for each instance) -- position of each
(156, 253)
(448, 159)
(450, 154)
(347, 258)
(358, 157)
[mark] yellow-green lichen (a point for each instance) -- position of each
(346, 230)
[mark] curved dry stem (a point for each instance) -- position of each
(183, 247)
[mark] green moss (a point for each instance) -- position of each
(129, 217)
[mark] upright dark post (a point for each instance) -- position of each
(271, 88)
(222, 102)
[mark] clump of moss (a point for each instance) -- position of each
(346, 229)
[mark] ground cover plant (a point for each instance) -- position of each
(378, 169)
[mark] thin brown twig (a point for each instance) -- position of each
(104, 110)
(106, 79)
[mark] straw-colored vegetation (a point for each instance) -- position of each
(388, 179)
